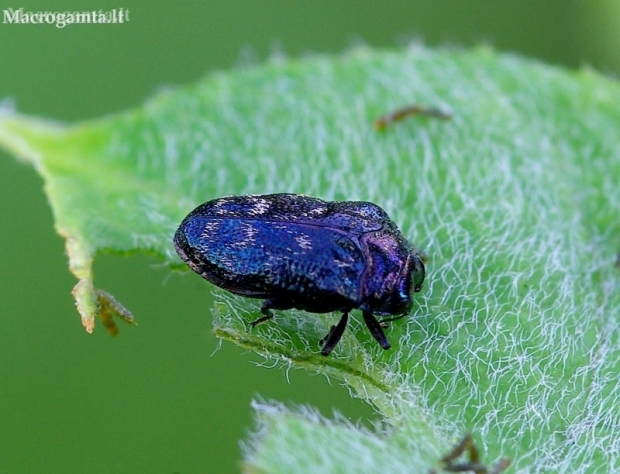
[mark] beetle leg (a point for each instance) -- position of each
(335, 334)
(375, 329)
(270, 304)
(266, 310)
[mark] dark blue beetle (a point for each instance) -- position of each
(300, 252)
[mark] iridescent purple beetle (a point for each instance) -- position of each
(301, 252)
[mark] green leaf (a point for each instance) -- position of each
(515, 200)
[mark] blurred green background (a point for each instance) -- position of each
(160, 397)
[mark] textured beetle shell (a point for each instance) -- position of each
(302, 252)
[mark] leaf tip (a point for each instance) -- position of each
(86, 303)
(90, 301)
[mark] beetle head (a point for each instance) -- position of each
(392, 276)
(396, 296)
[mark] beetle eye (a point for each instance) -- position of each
(418, 274)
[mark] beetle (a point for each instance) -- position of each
(300, 252)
